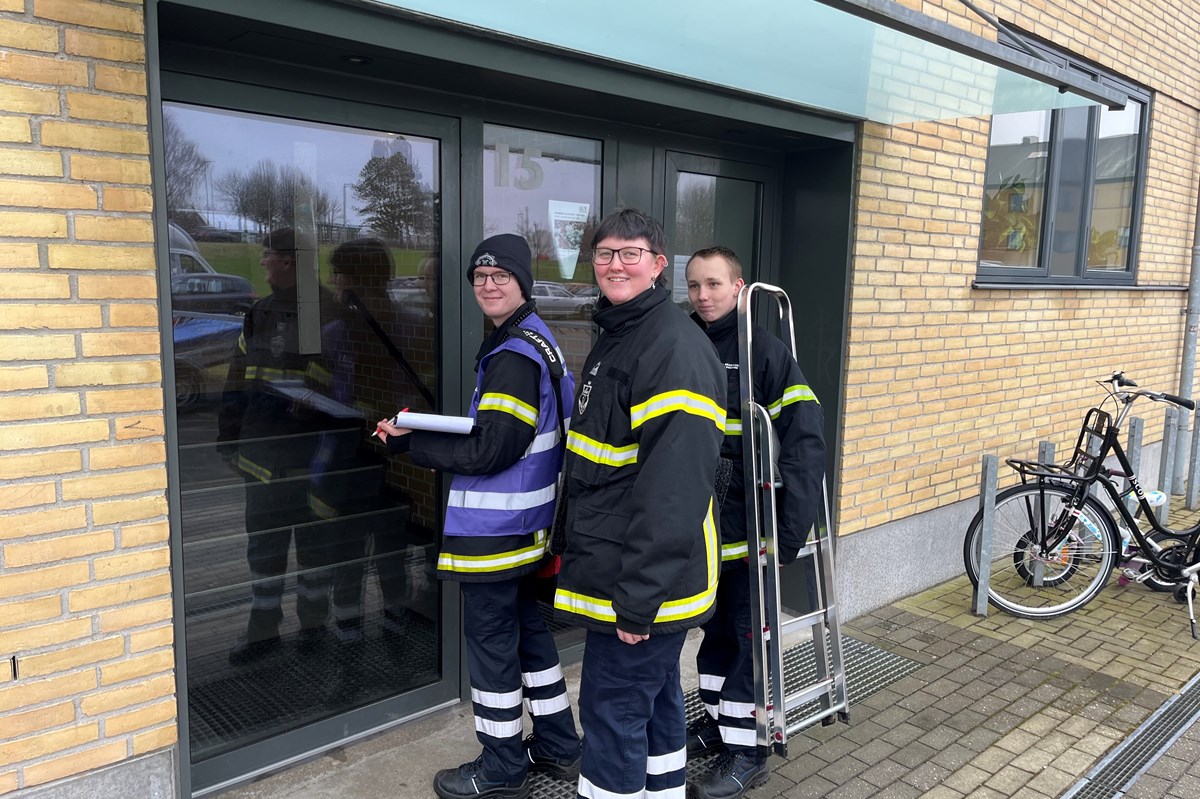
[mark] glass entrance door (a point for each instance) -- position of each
(715, 201)
(305, 304)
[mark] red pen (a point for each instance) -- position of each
(393, 420)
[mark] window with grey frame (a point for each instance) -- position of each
(1063, 190)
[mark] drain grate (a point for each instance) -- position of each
(868, 669)
(1133, 756)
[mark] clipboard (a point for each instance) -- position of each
(459, 425)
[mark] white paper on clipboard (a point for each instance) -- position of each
(434, 422)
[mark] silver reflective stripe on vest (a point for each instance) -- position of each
(496, 500)
(545, 441)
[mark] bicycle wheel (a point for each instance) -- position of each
(1035, 583)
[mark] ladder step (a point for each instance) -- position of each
(813, 691)
(826, 614)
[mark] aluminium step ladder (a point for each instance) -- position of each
(774, 700)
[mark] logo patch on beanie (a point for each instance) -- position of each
(487, 259)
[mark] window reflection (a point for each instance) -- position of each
(711, 210)
(1113, 190)
(546, 188)
(304, 265)
(1015, 188)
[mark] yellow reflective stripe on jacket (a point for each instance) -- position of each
(511, 405)
(598, 452)
(319, 374)
(253, 469)
(242, 342)
(674, 610)
(320, 508)
(270, 373)
(669, 401)
(733, 427)
(792, 394)
(734, 551)
(474, 564)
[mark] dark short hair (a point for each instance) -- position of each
(363, 259)
(629, 224)
(735, 265)
(282, 239)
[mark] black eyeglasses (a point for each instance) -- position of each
(499, 278)
(629, 255)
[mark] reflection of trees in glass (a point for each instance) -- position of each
(269, 193)
(186, 167)
(535, 234)
(695, 207)
(397, 205)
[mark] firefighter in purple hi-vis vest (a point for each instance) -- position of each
(501, 506)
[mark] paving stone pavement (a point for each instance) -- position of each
(1000, 707)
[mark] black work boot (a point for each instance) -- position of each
(468, 781)
(731, 776)
(703, 737)
(261, 639)
(247, 651)
(563, 767)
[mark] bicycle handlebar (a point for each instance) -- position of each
(1181, 401)
(1119, 381)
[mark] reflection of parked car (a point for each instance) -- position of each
(185, 257)
(203, 347)
(211, 293)
(210, 233)
(554, 300)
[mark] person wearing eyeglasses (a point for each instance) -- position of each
(725, 660)
(501, 505)
(642, 557)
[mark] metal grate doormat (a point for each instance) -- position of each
(287, 688)
(868, 669)
(1120, 769)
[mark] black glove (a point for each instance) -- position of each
(787, 554)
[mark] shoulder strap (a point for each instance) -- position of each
(547, 350)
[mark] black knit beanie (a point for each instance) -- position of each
(506, 251)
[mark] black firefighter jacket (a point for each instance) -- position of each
(796, 415)
(642, 552)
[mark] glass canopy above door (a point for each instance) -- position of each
(867, 59)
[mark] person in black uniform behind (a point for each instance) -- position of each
(271, 437)
(501, 504)
(642, 558)
(725, 659)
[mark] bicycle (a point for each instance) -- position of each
(1055, 544)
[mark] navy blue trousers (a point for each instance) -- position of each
(631, 709)
(513, 663)
(725, 661)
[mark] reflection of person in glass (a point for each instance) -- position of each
(348, 478)
(270, 433)
(725, 660)
(641, 561)
(501, 503)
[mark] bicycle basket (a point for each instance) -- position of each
(1085, 461)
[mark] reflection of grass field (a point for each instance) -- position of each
(547, 269)
(232, 258)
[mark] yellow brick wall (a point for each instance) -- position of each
(939, 373)
(84, 560)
